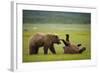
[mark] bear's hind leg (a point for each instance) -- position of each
(82, 49)
(32, 50)
(36, 52)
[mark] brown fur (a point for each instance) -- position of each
(71, 48)
(43, 40)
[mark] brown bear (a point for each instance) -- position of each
(71, 48)
(43, 40)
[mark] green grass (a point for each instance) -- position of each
(79, 33)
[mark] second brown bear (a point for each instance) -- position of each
(70, 48)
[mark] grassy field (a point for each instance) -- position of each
(79, 33)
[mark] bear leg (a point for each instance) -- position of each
(52, 49)
(82, 49)
(45, 50)
(79, 45)
(32, 50)
(36, 51)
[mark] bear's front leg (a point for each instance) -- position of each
(52, 49)
(45, 50)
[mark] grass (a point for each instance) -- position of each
(79, 33)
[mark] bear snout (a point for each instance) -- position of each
(58, 42)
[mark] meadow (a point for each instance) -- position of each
(79, 33)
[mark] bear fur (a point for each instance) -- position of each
(46, 41)
(73, 49)
(70, 48)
